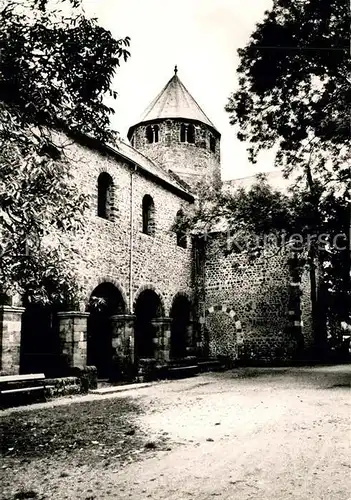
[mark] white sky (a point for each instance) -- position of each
(202, 38)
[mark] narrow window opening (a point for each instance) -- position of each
(181, 233)
(105, 196)
(149, 134)
(156, 133)
(191, 134)
(212, 144)
(182, 132)
(148, 215)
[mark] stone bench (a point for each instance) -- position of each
(22, 389)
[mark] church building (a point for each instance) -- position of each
(151, 295)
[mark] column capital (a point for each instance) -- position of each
(125, 317)
(12, 309)
(163, 320)
(72, 314)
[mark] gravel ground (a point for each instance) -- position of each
(243, 434)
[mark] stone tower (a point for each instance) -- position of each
(175, 132)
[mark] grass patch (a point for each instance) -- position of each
(97, 427)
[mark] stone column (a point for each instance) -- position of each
(295, 322)
(189, 347)
(73, 337)
(10, 339)
(166, 338)
(202, 342)
(162, 337)
(123, 335)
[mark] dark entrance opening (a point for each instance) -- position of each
(148, 307)
(105, 301)
(180, 314)
(40, 343)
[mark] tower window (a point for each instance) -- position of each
(181, 233)
(149, 134)
(148, 215)
(105, 196)
(212, 144)
(156, 133)
(187, 133)
(182, 132)
(191, 134)
(152, 133)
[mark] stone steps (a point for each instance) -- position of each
(119, 388)
(207, 365)
(176, 372)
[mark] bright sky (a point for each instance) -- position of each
(202, 38)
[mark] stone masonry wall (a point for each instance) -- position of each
(104, 248)
(192, 162)
(306, 310)
(10, 338)
(258, 294)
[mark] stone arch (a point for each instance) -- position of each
(100, 281)
(180, 293)
(223, 341)
(40, 342)
(149, 286)
(181, 338)
(106, 302)
(107, 167)
(148, 311)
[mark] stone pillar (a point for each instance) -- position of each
(123, 335)
(295, 322)
(162, 337)
(202, 340)
(166, 338)
(190, 339)
(73, 337)
(10, 339)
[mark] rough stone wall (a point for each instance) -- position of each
(105, 246)
(192, 162)
(10, 334)
(258, 293)
(306, 311)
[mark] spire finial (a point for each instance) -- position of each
(175, 69)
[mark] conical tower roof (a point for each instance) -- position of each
(174, 101)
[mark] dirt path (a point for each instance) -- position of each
(253, 434)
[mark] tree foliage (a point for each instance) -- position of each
(56, 66)
(294, 81)
(293, 96)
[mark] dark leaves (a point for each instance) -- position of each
(54, 73)
(293, 80)
(56, 69)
